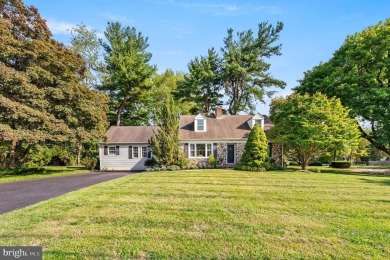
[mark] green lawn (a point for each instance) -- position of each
(9, 174)
(212, 214)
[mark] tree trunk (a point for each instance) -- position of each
(78, 153)
(119, 112)
(378, 146)
(13, 154)
(334, 155)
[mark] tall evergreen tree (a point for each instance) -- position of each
(245, 71)
(256, 150)
(128, 73)
(202, 84)
(165, 142)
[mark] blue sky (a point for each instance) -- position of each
(180, 30)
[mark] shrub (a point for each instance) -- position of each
(293, 163)
(29, 171)
(315, 170)
(246, 167)
(315, 163)
(340, 164)
(173, 167)
(212, 162)
(150, 163)
(89, 163)
(182, 161)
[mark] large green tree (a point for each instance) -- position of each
(165, 141)
(245, 71)
(202, 84)
(359, 74)
(128, 73)
(85, 42)
(311, 124)
(41, 95)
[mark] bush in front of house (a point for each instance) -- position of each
(173, 167)
(340, 164)
(212, 162)
(182, 161)
(255, 153)
(89, 163)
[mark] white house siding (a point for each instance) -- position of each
(121, 162)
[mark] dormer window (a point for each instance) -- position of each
(256, 120)
(200, 123)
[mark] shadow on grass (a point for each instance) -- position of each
(8, 172)
(381, 182)
(349, 171)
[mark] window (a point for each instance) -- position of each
(192, 150)
(111, 150)
(144, 152)
(209, 150)
(200, 150)
(258, 122)
(200, 125)
(135, 152)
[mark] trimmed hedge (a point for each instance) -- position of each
(340, 164)
(315, 163)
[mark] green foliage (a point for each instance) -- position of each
(315, 163)
(245, 167)
(212, 162)
(202, 84)
(127, 78)
(358, 74)
(165, 142)
(173, 167)
(312, 124)
(150, 163)
(316, 170)
(245, 72)
(89, 163)
(45, 155)
(182, 161)
(86, 43)
(256, 150)
(42, 98)
(340, 164)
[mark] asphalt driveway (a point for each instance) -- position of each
(16, 195)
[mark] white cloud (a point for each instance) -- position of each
(57, 27)
(117, 18)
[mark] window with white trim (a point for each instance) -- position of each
(259, 122)
(200, 150)
(200, 125)
(135, 152)
(111, 150)
(144, 152)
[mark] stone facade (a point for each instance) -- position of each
(276, 154)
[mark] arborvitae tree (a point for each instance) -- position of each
(165, 141)
(255, 150)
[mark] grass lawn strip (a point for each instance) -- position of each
(212, 214)
(9, 175)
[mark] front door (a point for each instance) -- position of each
(230, 153)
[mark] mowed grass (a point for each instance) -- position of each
(10, 174)
(219, 214)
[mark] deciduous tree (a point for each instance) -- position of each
(359, 74)
(311, 124)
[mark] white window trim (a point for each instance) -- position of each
(200, 117)
(211, 152)
(109, 153)
(140, 153)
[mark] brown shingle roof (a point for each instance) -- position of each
(130, 134)
(228, 127)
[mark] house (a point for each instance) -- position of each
(224, 136)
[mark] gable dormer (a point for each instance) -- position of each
(200, 123)
(256, 119)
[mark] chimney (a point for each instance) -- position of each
(218, 112)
